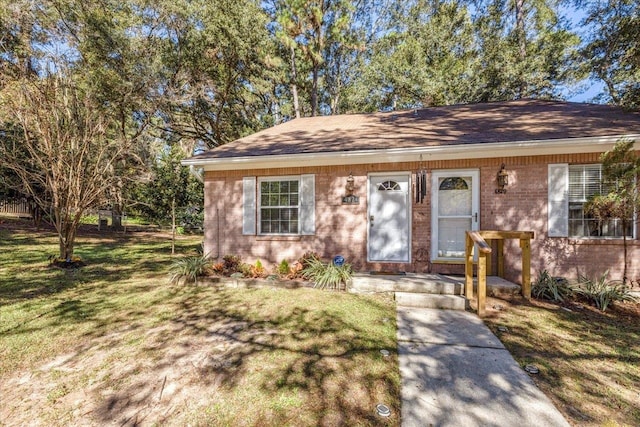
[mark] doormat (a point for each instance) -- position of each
(387, 273)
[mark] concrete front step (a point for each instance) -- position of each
(427, 290)
(412, 299)
(419, 283)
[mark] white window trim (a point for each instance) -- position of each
(634, 230)
(258, 205)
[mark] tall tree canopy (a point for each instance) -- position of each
(200, 73)
(527, 49)
(428, 56)
(612, 52)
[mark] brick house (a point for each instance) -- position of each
(397, 190)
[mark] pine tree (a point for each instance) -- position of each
(612, 53)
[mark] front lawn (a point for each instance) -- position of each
(114, 342)
(589, 361)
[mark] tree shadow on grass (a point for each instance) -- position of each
(579, 345)
(108, 260)
(215, 344)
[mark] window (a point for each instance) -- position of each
(389, 186)
(585, 181)
(454, 183)
(279, 207)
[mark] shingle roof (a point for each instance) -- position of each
(522, 120)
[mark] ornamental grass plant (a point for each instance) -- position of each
(551, 288)
(603, 292)
(327, 275)
(189, 268)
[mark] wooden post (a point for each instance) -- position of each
(468, 267)
(525, 244)
(489, 262)
(482, 283)
(501, 258)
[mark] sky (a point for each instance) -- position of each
(591, 88)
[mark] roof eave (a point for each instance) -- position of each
(395, 155)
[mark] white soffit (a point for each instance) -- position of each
(395, 155)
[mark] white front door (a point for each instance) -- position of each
(389, 235)
(455, 198)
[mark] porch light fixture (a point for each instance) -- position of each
(350, 187)
(503, 180)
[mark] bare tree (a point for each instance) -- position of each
(64, 154)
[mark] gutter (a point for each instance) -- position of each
(197, 172)
(395, 155)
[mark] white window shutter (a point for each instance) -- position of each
(249, 205)
(558, 208)
(307, 204)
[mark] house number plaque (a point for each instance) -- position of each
(350, 200)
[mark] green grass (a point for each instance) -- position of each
(589, 361)
(115, 342)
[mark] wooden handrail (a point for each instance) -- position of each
(497, 234)
(477, 238)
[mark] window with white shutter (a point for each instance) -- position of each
(558, 197)
(249, 205)
(284, 205)
(585, 181)
(307, 204)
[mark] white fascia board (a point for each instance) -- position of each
(395, 155)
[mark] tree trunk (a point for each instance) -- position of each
(116, 217)
(522, 42)
(36, 214)
(66, 238)
(173, 226)
(624, 248)
(294, 85)
(314, 90)
(335, 102)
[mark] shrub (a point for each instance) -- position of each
(284, 269)
(245, 270)
(297, 269)
(551, 288)
(257, 270)
(307, 258)
(189, 268)
(230, 264)
(327, 276)
(603, 292)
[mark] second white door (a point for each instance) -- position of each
(455, 198)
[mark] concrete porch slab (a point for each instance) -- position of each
(496, 286)
(426, 283)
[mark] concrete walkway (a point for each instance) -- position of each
(455, 372)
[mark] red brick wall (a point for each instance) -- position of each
(342, 229)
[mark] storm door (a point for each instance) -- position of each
(455, 199)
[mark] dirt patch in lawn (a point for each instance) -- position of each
(151, 382)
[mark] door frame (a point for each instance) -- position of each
(475, 206)
(390, 174)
